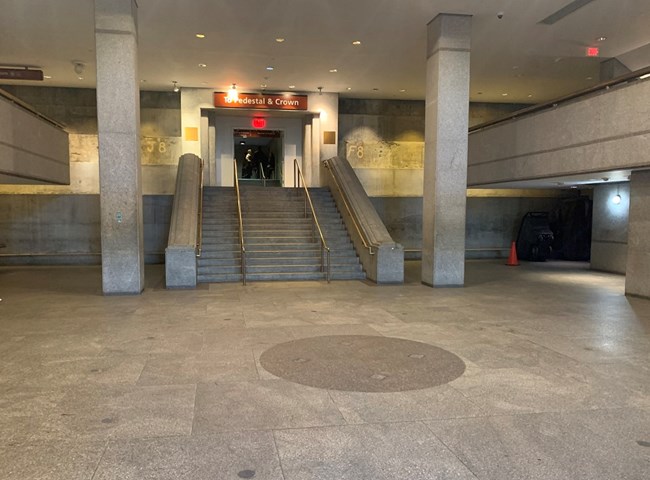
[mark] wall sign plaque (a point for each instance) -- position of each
(20, 74)
(261, 101)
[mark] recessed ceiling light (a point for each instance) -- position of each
(601, 39)
(590, 78)
(349, 88)
(402, 90)
(269, 68)
(49, 76)
(263, 85)
(356, 42)
(279, 39)
(292, 86)
(200, 35)
(202, 65)
(504, 94)
(333, 70)
(530, 95)
(643, 77)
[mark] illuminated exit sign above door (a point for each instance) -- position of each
(257, 101)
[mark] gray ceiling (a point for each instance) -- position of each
(516, 55)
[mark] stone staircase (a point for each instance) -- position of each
(279, 241)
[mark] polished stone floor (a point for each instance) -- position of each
(169, 384)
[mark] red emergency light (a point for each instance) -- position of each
(259, 122)
(593, 51)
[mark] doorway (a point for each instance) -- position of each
(257, 153)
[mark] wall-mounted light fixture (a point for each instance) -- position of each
(79, 68)
(232, 93)
(176, 87)
(616, 199)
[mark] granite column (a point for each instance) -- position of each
(118, 119)
(445, 154)
(637, 274)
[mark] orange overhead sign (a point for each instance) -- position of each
(261, 101)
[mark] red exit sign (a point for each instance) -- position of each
(593, 52)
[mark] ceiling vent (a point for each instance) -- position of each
(565, 11)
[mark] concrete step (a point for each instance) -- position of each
(279, 238)
(218, 269)
(216, 278)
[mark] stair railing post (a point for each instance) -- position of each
(329, 273)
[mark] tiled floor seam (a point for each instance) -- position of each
(449, 449)
(101, 457)
(196, 388)
(277, 453)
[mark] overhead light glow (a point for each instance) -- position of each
(292, 86)
(232, 93)
(202, 65)
(200, 35)
(356, 42)
(616, 199)
(601, 39)
(47, 77)
(279, 40)
(642, 77)
(333, 70)
(269, 68)
(176, 88)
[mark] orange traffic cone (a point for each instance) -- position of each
(512, 259)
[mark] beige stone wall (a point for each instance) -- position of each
(384, 142)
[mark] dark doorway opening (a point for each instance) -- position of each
(259, 156)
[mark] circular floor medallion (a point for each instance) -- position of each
(360, 363)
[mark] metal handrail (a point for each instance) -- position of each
(241, 227)
(262, 175)
(362, 235)
(199, 237)
(636, 75)
(324, 249)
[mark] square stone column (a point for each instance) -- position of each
(445, 152)
(637, 275)
(118, 119)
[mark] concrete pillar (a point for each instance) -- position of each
(637, 276)
(314, 177)
(306, 156)
(445, 153)
(204, 133)
(118, 118)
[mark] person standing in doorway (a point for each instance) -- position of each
(270, 165)
(247, 168)
(259, 159)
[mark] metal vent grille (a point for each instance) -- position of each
(565, 11)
